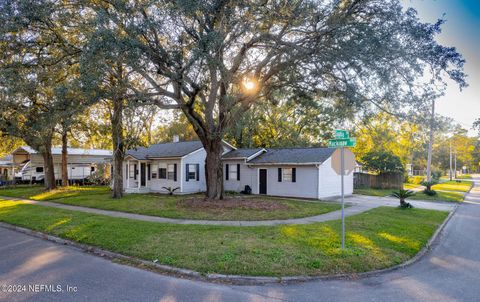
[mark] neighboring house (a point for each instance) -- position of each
(6, 168)
(290, 172)
(81, 163)
(170, 165)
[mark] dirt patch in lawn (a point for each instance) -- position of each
(232, 203)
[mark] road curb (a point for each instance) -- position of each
(220, 278)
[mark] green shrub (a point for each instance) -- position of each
(430, 192)
(429, 184)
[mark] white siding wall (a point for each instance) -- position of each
(154, 184)
(305, 185)
(330, 182)
(248, 176)
(194, 186)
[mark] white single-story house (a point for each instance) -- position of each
(289, 172)
(81, 163)
(176, 165)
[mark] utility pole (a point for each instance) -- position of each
(455, 163)
(450, 172)
(430, 144)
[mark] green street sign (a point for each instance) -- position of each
(340, 143)
(341, 134)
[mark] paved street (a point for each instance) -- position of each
(451, 272)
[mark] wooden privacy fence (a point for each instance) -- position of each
(382, 181)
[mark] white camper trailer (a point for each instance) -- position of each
(81, 163)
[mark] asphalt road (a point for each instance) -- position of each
(450, 272)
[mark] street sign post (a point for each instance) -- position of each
(342, 140)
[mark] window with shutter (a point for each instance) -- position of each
(131, 174)
(171, 172)
(192, 171)
(287, 174)
(232, 173)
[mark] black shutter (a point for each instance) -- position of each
(149, 171)
(126, 171)
(238, 171)
(187, 169)
(135, 171)
(198, 172)
(174, 172)
(226, 172)
(279, 174)
(294, 174)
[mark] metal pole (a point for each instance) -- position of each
(455, 175)
(430, 144)
(342, 165)
(450, 161)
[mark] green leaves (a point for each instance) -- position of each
(381, 161)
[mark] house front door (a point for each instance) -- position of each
(262, 181)
(142, 175)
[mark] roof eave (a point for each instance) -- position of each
(285, 164)
(256, 154)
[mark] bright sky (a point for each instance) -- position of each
(462, 30)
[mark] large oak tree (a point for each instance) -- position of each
(213, 59)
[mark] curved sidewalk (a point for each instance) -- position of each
(357, 204)
(349, 211)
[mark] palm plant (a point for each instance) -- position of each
(402, 195)
(170, 189)
(428, 187)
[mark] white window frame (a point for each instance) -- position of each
(192, 168)
(172, 175)
(287, 174)
(232, 172)
(154, 170)
(131, 172)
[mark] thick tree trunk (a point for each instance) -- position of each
(48, 168)
(214, 169)
(64, 159)
(118, 149)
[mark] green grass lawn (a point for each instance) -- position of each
(167, 206)
(441, 195)
(446, 191)
(459, 186)
(464, 176)
(376, 239)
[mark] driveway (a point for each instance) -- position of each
(450, 272)
(372, 201)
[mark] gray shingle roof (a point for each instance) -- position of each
(165, 150)
(241, 153)
(72, 151)
(294, 156)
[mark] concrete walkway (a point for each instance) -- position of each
(393, 202)
(357, 204)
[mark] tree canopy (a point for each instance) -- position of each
(297, 66)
